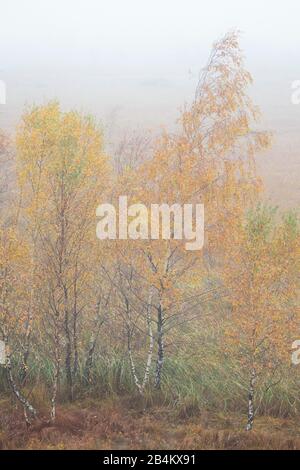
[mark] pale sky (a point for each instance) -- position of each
(137, 61)
(72, 32)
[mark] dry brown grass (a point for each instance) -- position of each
(112, 425)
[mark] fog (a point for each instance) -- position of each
(134, 63)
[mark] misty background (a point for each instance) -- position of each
(133, 64)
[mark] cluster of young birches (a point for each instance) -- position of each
(63, 293)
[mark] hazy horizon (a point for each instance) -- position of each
(134, 64)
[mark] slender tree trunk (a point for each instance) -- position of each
(75, 345)
(26, 404)
(68, 360)
(251, 412)
(132, 365)
(93, 341)
(90, 358)
(24, 366)
(75, 325)
(68, 364)
(151, 343)
(56, 377)
(160, 343)
(141, 386)
(28, 332)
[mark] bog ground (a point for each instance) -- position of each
(115, 424)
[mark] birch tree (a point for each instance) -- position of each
(210, 160)
(262, 275)
(62, 154)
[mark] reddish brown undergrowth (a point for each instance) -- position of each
(112, 425)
